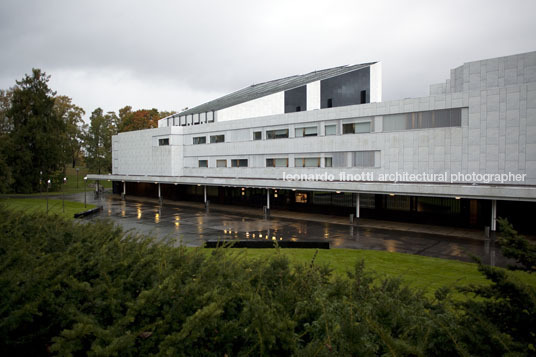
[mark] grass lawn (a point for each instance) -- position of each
(29, 205)
(421, 272)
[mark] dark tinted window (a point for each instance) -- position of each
(296, 99)
(257, 135)
(203, 163)
(277, 134)
(217, 138)
(163, 142)
(422, 120)
(345, 89)
(239, 163)
(200, 140)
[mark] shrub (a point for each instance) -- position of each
(89, 288)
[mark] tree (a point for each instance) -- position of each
(125, 116)
(500, 319)
(6, 124)
(517, 247)
(32, 145)
(138, 120)
(164, 113)
(98, 141)
(74, 126)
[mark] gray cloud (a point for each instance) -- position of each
(170, 54)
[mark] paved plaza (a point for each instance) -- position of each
(192, 224)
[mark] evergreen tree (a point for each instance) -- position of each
(32, 145)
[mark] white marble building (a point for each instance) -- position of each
(480, 122)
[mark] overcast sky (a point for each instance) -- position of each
(172, 54)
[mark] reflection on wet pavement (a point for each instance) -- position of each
(192, 226)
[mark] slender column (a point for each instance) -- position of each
(159, 194)
(205, 194)
(268, 198)
(493, 218)
(357, 206)
(124, 189)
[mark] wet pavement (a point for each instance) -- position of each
(194, 225)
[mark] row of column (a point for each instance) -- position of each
(493, 227)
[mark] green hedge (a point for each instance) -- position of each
(70, 288)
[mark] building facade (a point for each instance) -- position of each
(325, 141)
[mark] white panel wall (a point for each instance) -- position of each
(138, 152)
(497, 136)
(376, 82)
(268, 105)
(313, 95)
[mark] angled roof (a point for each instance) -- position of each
(259, 90)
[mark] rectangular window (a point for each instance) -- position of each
(277, 134)
(276, 162)
(328, 162)
(217, 139)
(239, 163)
(163, 142)
(221, 163)
(309, 131)
(363, 96)
(203, 163)
(331, 129)
(423, 120)
(364, 159)
(330, 103)
(307, 162)
(356, 128)
(257, 135)
(200, 140)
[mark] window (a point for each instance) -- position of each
(200, 140)
(309, 131)
(331, 129)
(210, 117)
(277, 134)
(364, 159)
(257, 135)
(356, 128)
(203, 163)
(217, 139)
(307, 162)
(239, 163)
(328, 162)
(423, 120)
(221, 163)
(345, 89)
(163, 142)
(300, 197)
(276, 162)
(363, 96)
(296, 99)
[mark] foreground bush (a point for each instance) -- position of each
(77, 289)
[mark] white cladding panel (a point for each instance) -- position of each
(497, 135)
(376, 82)
(313, 95)
(268, 105)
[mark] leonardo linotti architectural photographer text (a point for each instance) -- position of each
(444, 177)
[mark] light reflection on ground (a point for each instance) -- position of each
(194, 225)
